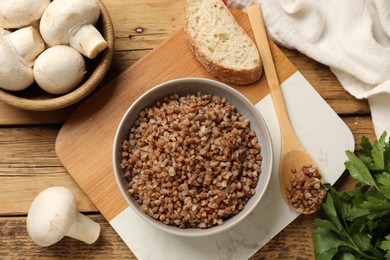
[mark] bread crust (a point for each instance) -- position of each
(225, 74)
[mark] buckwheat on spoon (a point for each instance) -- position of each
(302, 189)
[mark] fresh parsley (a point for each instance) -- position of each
(358, 221)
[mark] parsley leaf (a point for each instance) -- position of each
(384, 183)
(358, 221)
(358, 169)
(377, 153)
(326, 243)
(385, 245)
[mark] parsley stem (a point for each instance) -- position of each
(357, 249)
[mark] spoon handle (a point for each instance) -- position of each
(258, 28)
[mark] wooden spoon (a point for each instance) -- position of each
(293, 154)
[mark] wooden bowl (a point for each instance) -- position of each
(36, 99)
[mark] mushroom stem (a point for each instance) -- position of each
(84, 229)
(27, 43)
(15, 72)
(88, 41)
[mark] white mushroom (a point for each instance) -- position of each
(27, 42)
(21, 13)
(59, 69)
(71, 22)
(18, 51)
(53, 215)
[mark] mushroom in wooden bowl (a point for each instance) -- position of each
(59, 61)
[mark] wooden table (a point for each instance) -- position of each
(28, 163)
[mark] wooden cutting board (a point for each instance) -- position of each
(84, 143)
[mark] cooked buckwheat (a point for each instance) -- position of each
(191, 161)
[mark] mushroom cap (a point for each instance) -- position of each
(59, 69)
(15, 75)
(63, 18)
(51, 215)
(21, 13)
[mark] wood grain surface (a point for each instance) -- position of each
(28, 162)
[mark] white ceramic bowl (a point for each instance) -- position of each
(192, 86)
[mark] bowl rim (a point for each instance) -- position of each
(189, 232)
(80, 92)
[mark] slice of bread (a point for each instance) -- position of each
(220, 44)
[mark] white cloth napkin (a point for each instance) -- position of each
(352, 37)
